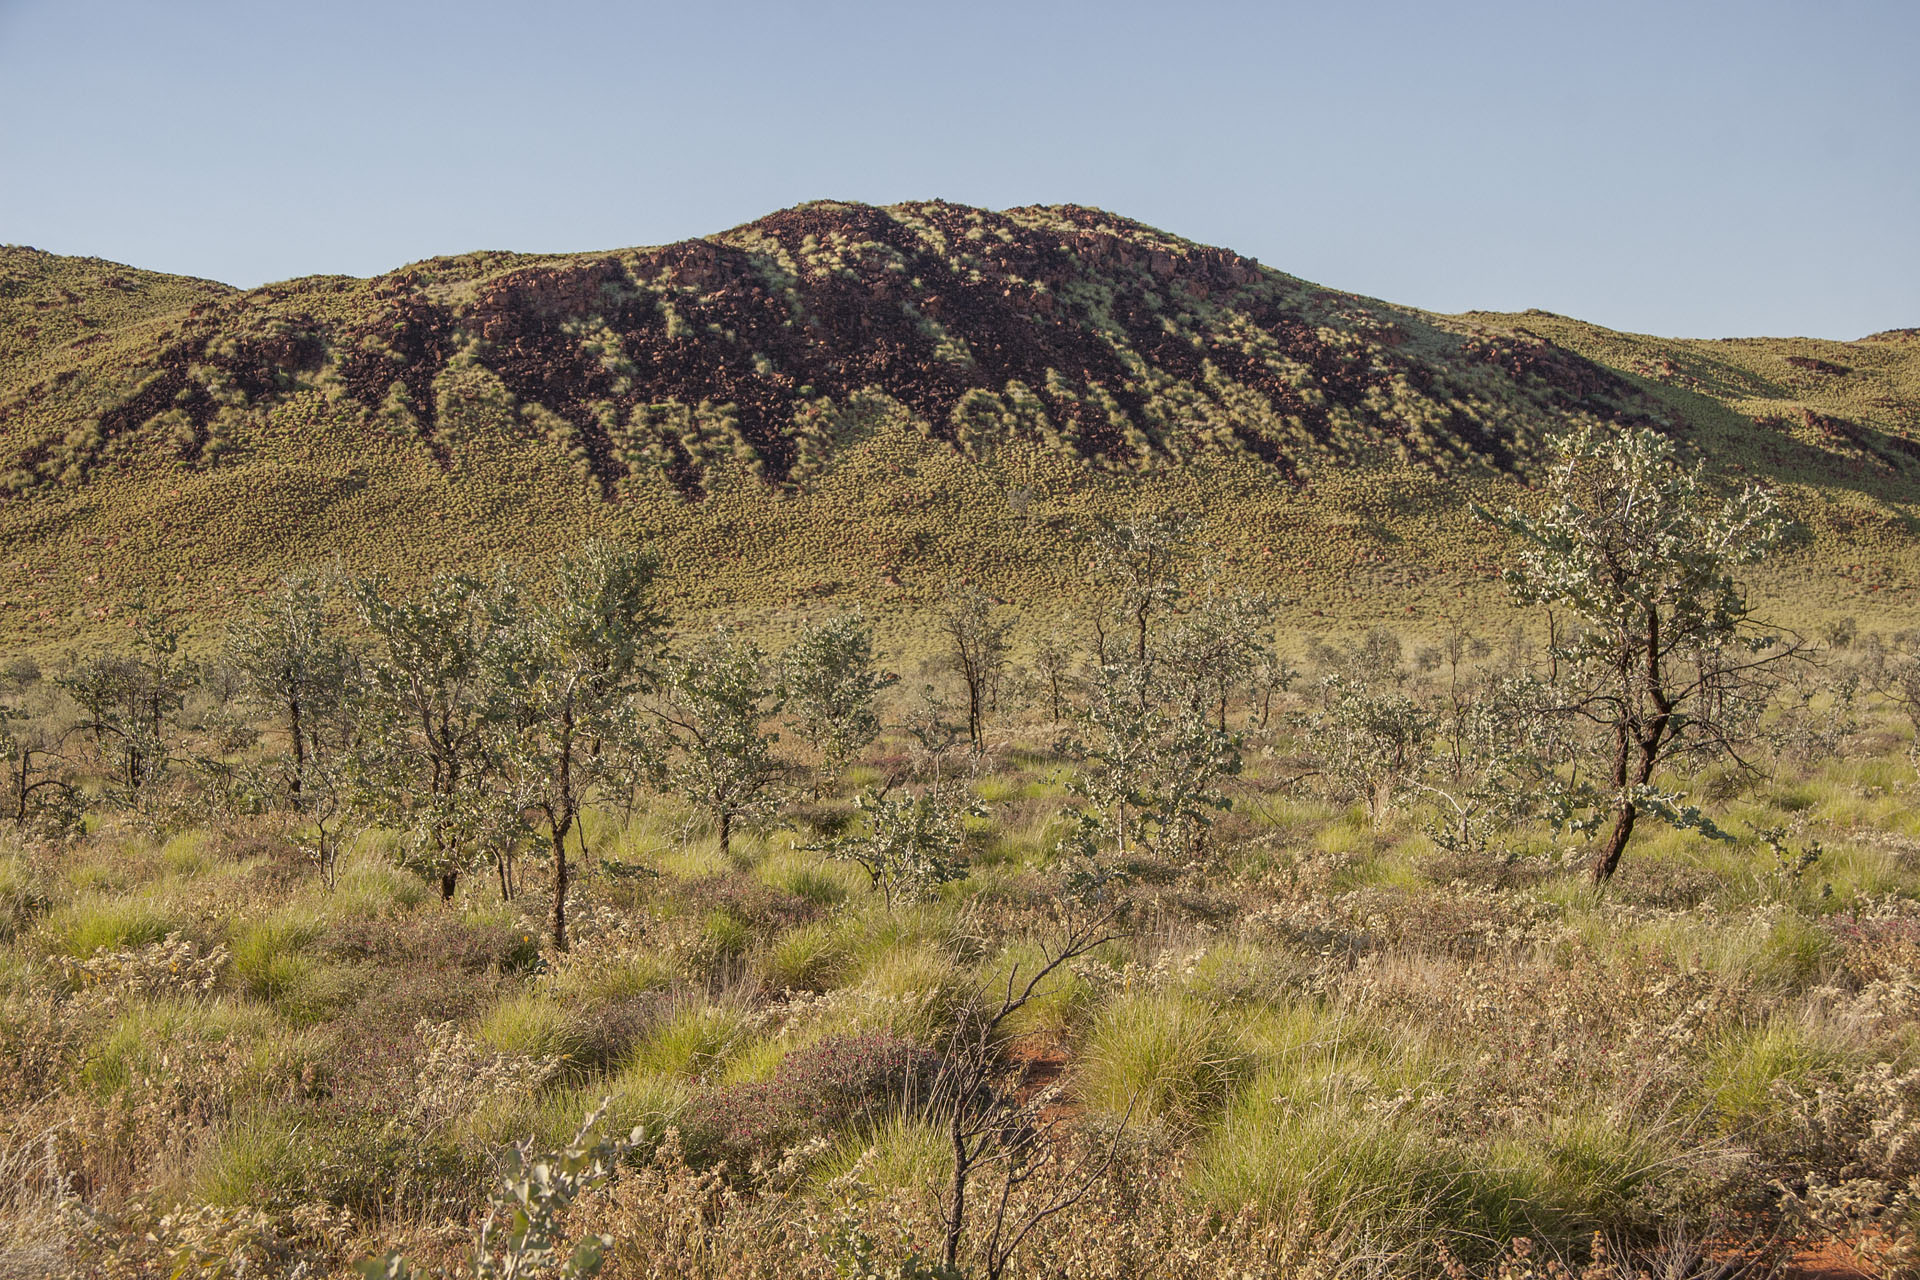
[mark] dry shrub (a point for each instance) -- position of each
(1850, 1163)
(40, 1039)
(669, 1220)
(215, 1243)
(458, 1075)
(34, 1225)
(173, 966)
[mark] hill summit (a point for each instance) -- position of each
(1109, 340)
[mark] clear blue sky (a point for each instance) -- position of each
(1699, 169)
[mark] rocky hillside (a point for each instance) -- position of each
(841, 397)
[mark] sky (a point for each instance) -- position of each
(1682, 168)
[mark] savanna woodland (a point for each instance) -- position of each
(917, 742)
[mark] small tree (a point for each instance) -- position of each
(1372, 741)
(1667, 661)
(977, 645)
(132, 699)
(831, 682)
(1221, 640)
(427, 762)
(1892, 669)
(1151, 762)
(291, 661)
(40, 784)
(574, 663)
(1495, 746)
(1141, 562)
(1053, 663)
(909, 845)
(714, 701)
(1272, 675)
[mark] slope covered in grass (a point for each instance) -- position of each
(840, 400)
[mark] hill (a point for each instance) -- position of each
(841, 400)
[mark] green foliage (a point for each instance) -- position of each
(570, 669)
(714, 700)
(831, 684)
(909, 845)
(426, 760)
(976, 636)
(1153, 762)
(527, 1025)
(294, 664)
(1666, 656)
(1373, 740)
(131, 699)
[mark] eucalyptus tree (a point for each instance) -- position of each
(428, 763)
(976, 634)
(293, 662)
(1142, 564)
(1220, 641)
(1494, 757)
(1153, 759)
(571, 667)
(831, 683)
(1372, 740)
(131, 699)
(1667, 660)
(1152, 763)
(715, 701)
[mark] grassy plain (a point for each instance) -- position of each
(1327, 1046)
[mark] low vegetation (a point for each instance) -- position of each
(496, 927)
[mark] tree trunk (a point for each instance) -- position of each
(560, 884)
(1608, 859)
(559, 825)
(299, 732)
(726, 833)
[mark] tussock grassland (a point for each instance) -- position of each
(1322, 1044)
